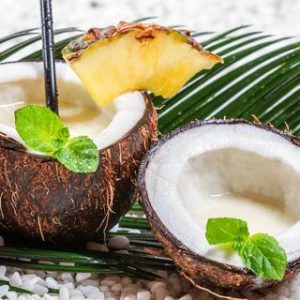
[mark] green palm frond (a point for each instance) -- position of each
(260, 76)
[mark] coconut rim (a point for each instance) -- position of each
(149, 108)
(156, 222)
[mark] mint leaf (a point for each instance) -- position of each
(226, 230)
(80, 154)
(263, 255)
(40, 128)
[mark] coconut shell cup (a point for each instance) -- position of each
(199, 270)
(42, 200)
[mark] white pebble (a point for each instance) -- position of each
(3, 290)
(82, 276)
(76, 292)
(143, 295)
(129, 290)
(126, 280)
(39, 289)
(186, 297)
(12, 295)
(130, 297)
(157, 285)
(161, 293)
(28, 285)
(90, 282)
(67, 277)
(77, 298)
(107, 282)
(2, 270)
(16, 280)
(69, 285)
(89, 290)
(64, 293)
(41, 274)
(115, 278)
(119, 242)
(104, 288)
(50, 297)
(28, 276)
(2, 241)
(51, 283)
(5, 278)
(116, 287)
(93, 246)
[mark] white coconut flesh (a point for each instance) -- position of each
(235, 170)
(22, 83)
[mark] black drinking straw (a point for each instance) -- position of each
(48, 55)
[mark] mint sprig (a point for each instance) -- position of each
(43, 131)
(261, 253)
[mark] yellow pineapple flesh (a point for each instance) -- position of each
(130, 57)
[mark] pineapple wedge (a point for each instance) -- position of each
(130, 57)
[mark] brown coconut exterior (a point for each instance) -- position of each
(198, 269)
(42, 200)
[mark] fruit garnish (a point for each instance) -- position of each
(261, 253)
(129, 57)
(43, 131)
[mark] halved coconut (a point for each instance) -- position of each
(39, 197)
(222, 169)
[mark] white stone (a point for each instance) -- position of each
(64, 293)
(93, 246)
(90, 282)
(104, 288)
(89, 290)
(116, 287)
(28, 285)
(75, 293)
(16, 280)
(126, 280)
(119, 242)
(2, 243)
(39, 289)
(51, 283)
(2, 270)
(115, 278)
(143, 295)
(67, 277)
(107, 282)
(78, 297)
(69, 285)
(50, 297)
(82, 276)
(157, 285)
(130, 297)
(3, 290)
(12, 295)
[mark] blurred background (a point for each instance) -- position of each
(273, 16)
